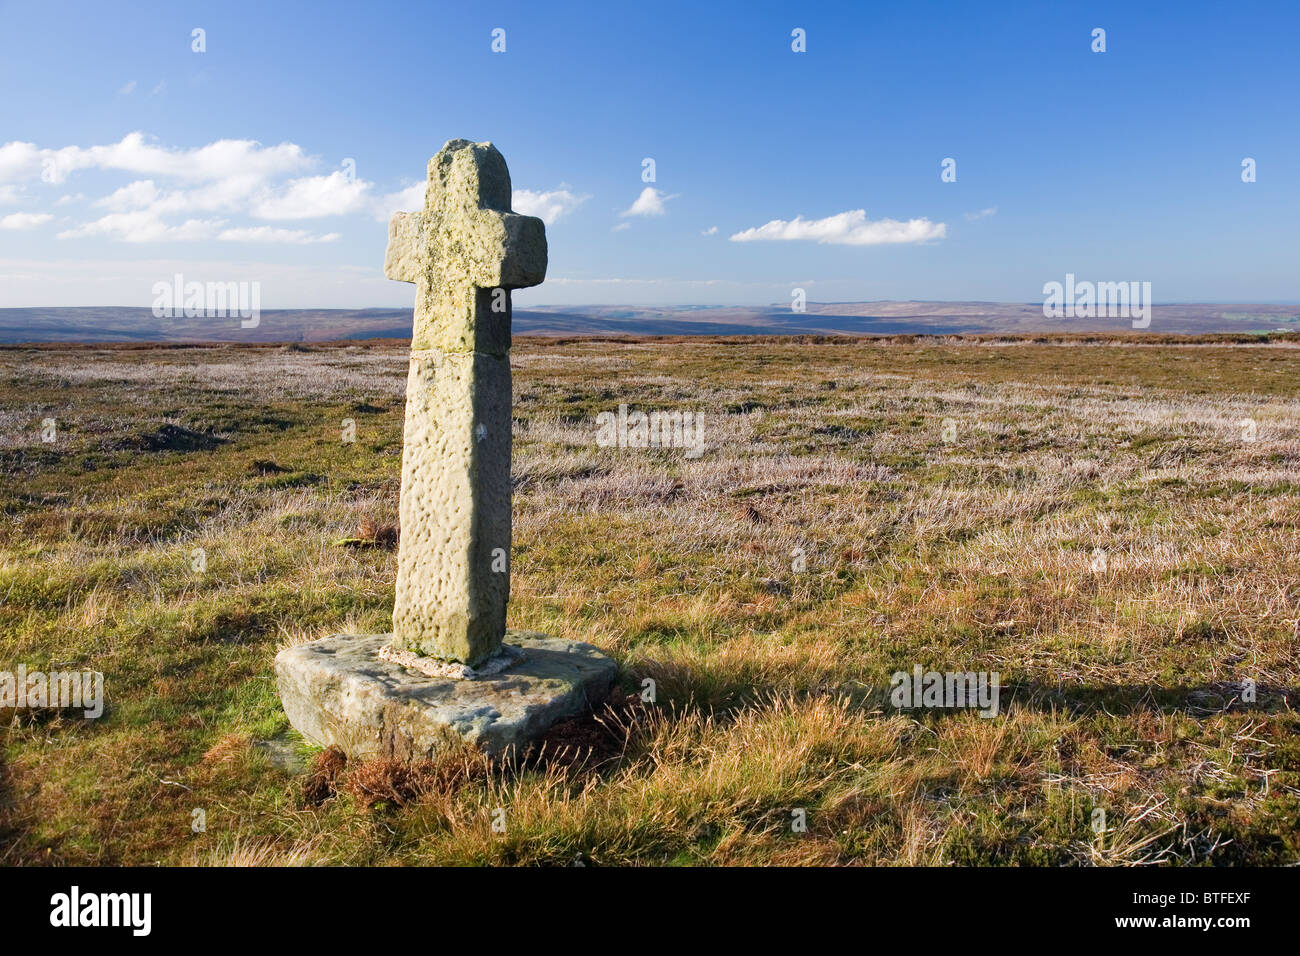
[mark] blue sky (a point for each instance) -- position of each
(125, 156)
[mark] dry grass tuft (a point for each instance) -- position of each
(387, 783)
(260, 852)
(379, 534)
(229, 747)
(323, 775)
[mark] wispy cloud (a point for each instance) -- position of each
(128, 89)
(972, 216)
(711, 231)
(850, 228)
(649, 203)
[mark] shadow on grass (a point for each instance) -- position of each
(1195, 700)
(700, 685)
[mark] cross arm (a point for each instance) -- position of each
(402, 261)
(507, 250)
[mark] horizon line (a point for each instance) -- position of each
(698, 305)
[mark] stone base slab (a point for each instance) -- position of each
(338, 692)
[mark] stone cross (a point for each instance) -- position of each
(465, 251)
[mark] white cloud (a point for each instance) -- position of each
(227, 176)
(850, 228)
(621, 226)
(231, 194)
(128, 89)
(140, 208)
(313, 197)
(137, 195)
(24, 220)
(160, 88)
(972, 216)
(19, 161)
(649, 203)
(547, 206)
(219, 160)
(711, 231)
(410, 199)
(144, 225)
(271, 234)
(70, 198)
(206, 185)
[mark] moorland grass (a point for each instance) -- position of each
(1086, 518)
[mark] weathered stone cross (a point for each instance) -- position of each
(464, 252)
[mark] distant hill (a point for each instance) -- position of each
(122, 324)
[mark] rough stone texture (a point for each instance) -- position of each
(455, 499)
(336, 691)
(455, 507)
(466, 240)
